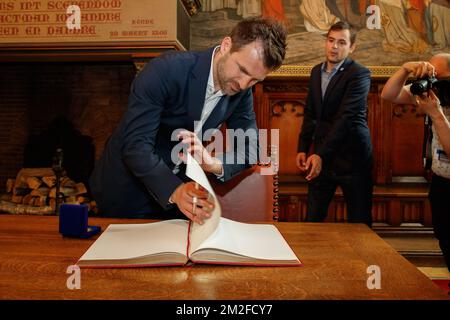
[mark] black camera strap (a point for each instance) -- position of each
(427, 154)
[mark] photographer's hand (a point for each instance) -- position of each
(419, 69)
(395, 89)
(429, 104)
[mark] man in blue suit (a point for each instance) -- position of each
(335, 126)
(137, 175)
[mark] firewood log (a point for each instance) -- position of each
(34, 202)
(50, 181)
(33, 182)
(52, 203)
(20, 184)
(20, 191)
(66, 191)
(67, 182)
(27, 199)
(6, 197)
(40, 201)
(10, 185)
(81, 188)
(24, 173)
(42, 191)
(17, 199)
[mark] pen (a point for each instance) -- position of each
(194, 201)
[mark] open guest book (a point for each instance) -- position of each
(176, 242)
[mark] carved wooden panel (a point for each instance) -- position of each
(406, 143)
(390, 211)
(379, 125)
(286, 115)
(292, 208)
(379, 211)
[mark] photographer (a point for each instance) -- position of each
(433, 77)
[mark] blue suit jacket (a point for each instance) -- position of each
(336, 125)
(133, 177)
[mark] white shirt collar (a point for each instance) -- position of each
(210, 90)
(334, 69)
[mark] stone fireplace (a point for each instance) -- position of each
(89, 97)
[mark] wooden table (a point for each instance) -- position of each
(34, 259)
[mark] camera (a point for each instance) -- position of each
(422, 85)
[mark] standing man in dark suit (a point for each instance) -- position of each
(335, 125)
(175, 98)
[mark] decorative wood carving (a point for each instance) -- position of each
(399, 110)
(280, 106)
(286, 87)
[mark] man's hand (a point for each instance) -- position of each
(419, 69)
(206, 161)
(395, 89)
(193, 201)
(314, 164)
(429, 104)
(301, 161)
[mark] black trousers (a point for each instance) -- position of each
(440, 211)
(357, 189)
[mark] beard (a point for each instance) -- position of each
(226, 84)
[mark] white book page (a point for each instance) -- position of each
(260, 241)
(200, 233)
(125, 241)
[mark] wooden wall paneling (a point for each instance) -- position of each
(411, 211)
(337, 212)
(379, 211)
(391, 206)
(380, 126)
(261, 109)
(427, 220)
(287, 117)
(285, 110)
(395, 212)
(293, 208)
(406, 143)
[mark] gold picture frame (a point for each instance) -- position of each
(292, 71)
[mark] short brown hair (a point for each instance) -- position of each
(342, 25)
(270, 32)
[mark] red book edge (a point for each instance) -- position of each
(249, 264)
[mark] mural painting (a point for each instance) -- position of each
(407, 30)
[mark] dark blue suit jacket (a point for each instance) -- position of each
(336, 125)
(134, 177)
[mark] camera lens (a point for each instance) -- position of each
(419, 87)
